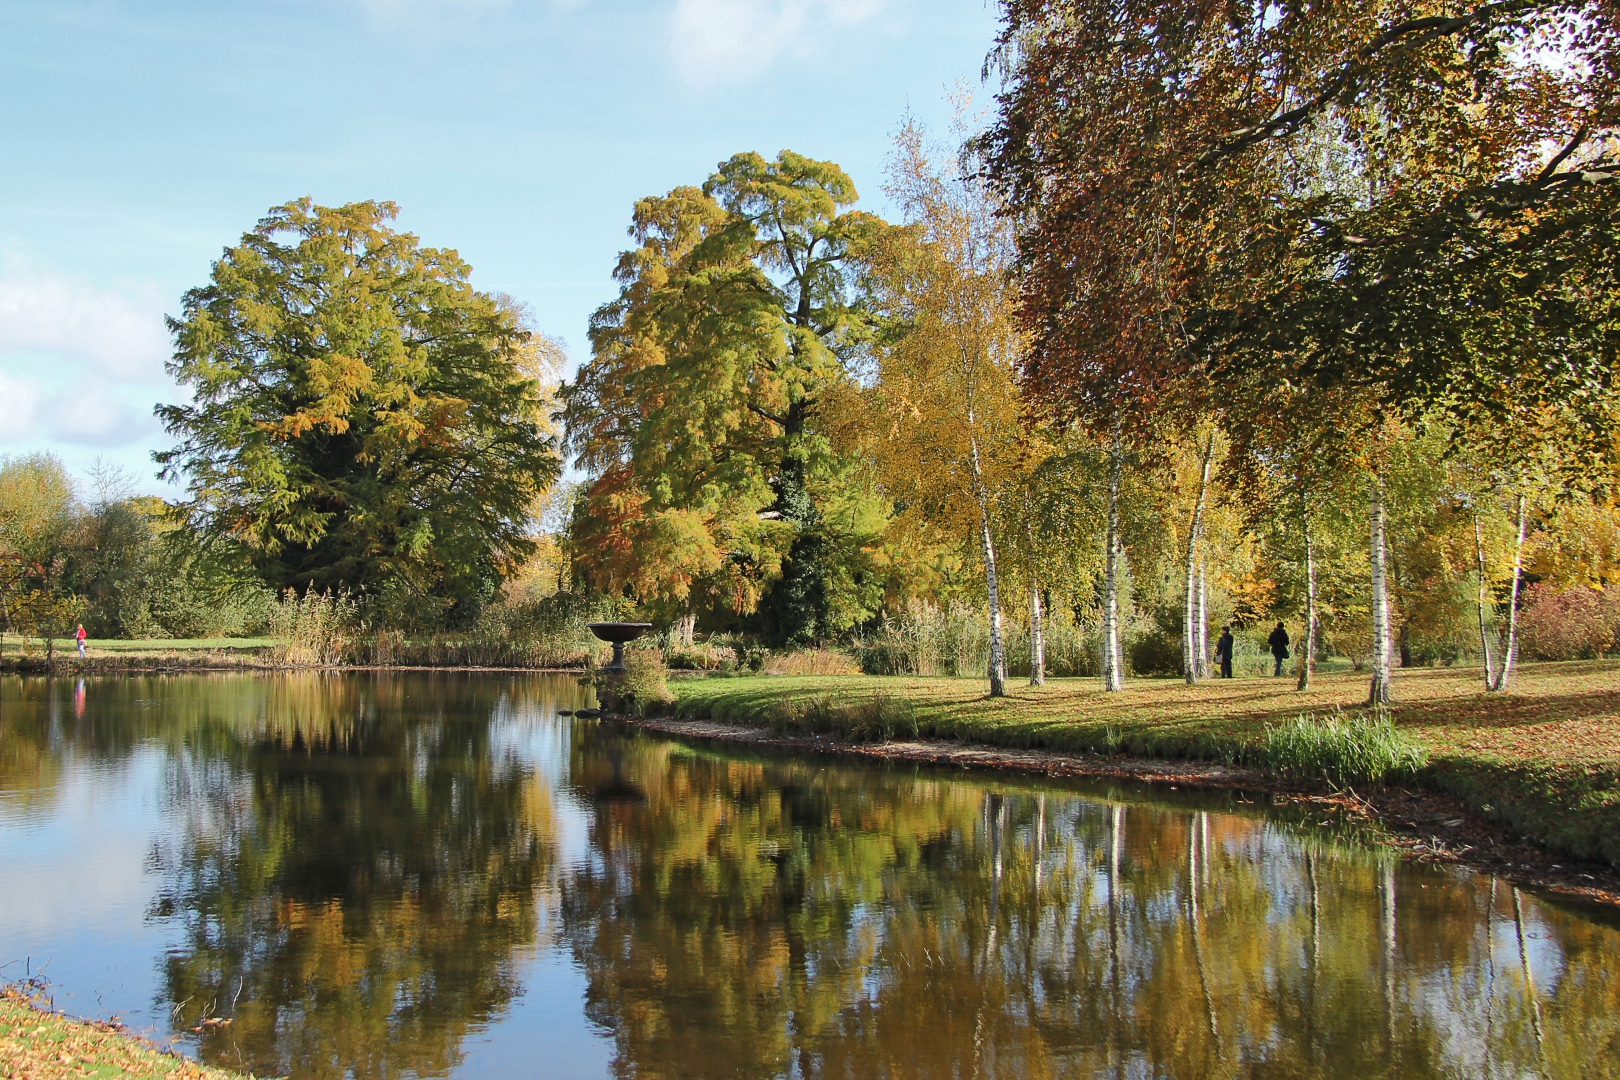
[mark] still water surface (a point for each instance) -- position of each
(435, 875)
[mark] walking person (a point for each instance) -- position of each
(1223, 651)
(79, 635)
(1279, 647)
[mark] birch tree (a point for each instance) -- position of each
(945, 394)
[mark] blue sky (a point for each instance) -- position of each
(142, 136)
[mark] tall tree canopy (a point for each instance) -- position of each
(362, 417)
(1461, 257)
(700, 412)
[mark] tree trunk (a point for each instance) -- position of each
(998, 656)
(1379, 692)
(1510, 652)
(1189, 636)
(1113, 676)
(1203, 618)
(685, 630)
(1482, 600)
(1307, 653)
(1037, 637)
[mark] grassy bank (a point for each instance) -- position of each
(1544, 759)
(111, 656)
(42, 1045)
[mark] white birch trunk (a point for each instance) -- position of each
(1482, 600)
(1112, 673)
(1037, 637)
(1379, 692)
(1189, 636)
(1510, 652)
(1307, 657)
(685, 630)
(1203, 618)
(998, 655)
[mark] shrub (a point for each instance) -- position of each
(1157, 652)
(642, 689)
(702, 656)
(1566, 624)
(1343, 750)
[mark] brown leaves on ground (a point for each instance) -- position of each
(40, 1045)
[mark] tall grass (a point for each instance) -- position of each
(955, 640)
(331, 630)
(1341, 750)
(880, 718)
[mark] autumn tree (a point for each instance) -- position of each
(945, 395)
(1170, 156)
(700, 413)
(41, 525)
(361, 417)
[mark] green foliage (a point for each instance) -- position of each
(642, 689)
(699, 414)
(1341, 749)
(701, 656)
(40, 517)
(361, 417)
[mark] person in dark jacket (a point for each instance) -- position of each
(1279, 647)
(1223, 652)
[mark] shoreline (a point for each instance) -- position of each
(40, 1043)
(1409, 821)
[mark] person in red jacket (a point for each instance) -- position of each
(79, 635)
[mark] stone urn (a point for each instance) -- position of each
(617, 633)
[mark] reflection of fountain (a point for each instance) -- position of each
(618, 633)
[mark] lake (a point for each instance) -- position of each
(412, 874)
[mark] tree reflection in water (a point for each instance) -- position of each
(358, 867)
(355, 886)
(759, 918)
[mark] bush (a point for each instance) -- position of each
(1361, 749)
(702, 656)
(747, 653)
(643, 687)
(1157, 652)
(1567, 624)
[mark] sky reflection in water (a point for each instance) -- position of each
(427, 875)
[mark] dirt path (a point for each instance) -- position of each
(1423, 825)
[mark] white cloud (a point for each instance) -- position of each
(715, 41)
(119, 333)
(19, 401)
(95, 413)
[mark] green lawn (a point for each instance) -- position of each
(112, 656)
(1544, 758)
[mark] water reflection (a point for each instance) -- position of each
(774, 918)
(357, 871)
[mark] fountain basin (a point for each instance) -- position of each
(617, 633)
